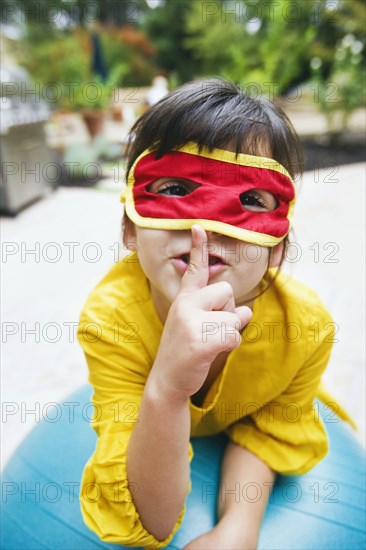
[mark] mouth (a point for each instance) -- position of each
(216, 265)
(212, 259)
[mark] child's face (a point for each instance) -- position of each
(164, 254)
(163, 257)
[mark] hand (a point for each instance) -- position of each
(218, 539)
(206, 541)
(186, 351)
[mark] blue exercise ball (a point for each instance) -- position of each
(324, 509)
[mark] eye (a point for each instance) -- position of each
(172, 187)
(258, 201)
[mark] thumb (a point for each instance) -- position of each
(245, 314)
(197, 273)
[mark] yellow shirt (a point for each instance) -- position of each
(263, 397)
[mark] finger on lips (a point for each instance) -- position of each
(215, 297)
(197, 274)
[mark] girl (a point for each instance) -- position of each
(197, 331)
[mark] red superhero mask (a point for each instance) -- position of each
(220, 178)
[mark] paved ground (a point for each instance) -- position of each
(46, 296)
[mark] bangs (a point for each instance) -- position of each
(215, 113)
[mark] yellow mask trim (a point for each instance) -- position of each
(260, 239)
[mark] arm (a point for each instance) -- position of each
(241, 513)
(244, 492)
(139, 470)
(157, 458)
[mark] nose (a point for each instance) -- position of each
(218, 238)
(213, 236)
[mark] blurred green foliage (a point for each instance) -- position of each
(56, 49)
(343, 90)
(273, 42)
(167, 27)
(65, 56)
(273, 45)
(53, 59)
(267, 44)
(131, 50)
(73, 13)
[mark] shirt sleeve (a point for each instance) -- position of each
(287, 433)
(117, 376)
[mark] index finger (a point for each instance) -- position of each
(197, 273)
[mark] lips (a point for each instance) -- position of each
(212, 259)
(216, 264)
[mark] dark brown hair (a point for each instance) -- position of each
(214, 112)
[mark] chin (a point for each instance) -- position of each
(169, 293)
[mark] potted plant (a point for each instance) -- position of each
(91, 98)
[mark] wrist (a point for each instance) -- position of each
(236, 533)
(158, 391)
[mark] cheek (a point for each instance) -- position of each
(147, 240)
(253, 265)
(250, 272)
(255, 256)
(150, 248)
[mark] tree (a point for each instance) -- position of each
(166, 28)
(55, 44)
(264, 42)
(270, 43)
(70, 13)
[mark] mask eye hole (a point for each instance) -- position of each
(258, 200)
(172, 187)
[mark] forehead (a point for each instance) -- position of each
(257, 146)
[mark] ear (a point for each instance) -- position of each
(275, 254)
